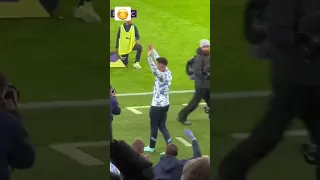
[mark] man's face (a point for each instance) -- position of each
(138, 146)
(161, 67)
(128, 22)
(205, 50)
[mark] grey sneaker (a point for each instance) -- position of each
(87, 13)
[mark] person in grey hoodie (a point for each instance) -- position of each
(201, 70)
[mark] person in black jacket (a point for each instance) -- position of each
(170, 167)
(114, 107)
(16, 151)
(201, 70)
(295, 80)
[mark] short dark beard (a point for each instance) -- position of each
(206, 53)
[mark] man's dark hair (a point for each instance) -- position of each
(172, 150)
(162, 60)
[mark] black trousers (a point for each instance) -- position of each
(158, 120)
(136, 47)
(286, 103)
(200, 93)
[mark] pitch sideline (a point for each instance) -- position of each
(74, 152)
(104, 102)
(290, 133)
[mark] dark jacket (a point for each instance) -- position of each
(289, 63)
(132, 165)
(200, 62)
(255, 28)
(170, 168)
(114, 110)
(16, 151)
(114, 107)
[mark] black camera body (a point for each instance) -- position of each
(307, 32)
(308, 35)
(311, 154)
(11, 92)
(112, 90)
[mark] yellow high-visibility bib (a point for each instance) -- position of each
(127, 40)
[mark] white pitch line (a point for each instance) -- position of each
(291, 133)
(72, 151)
(136, 107)
(104, 102)
(134, 110)
(183, 141)
(199, 104)
(150, 93)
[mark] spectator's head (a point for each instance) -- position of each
(128, 22)
(131, 164)
(197, 169)
(205, 46)
(162, 63)
(138, 146)
(172, 150)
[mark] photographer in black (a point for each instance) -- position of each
(289, 41)
(16, 151)
(201, 75)
(114, 107)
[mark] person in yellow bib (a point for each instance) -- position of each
(127, 41)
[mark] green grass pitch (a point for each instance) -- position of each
(175, 33)
(60, 60)
(67, 60)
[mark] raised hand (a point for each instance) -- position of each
(189, 133)
(150, 49)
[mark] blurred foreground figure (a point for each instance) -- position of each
(197, 169)
(132, 165)
(289, 37)
(84, 10)
(16, 151)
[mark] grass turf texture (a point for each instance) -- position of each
(56, 60)
(129, 126)
(60, 60)
(175, 33)
(234, 70)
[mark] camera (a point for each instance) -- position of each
(206, 72)
(206, 75)
(311, 154)
(113, 91)
(10, 92)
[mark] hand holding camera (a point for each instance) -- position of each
(9, 95)
(206, 73)
(112, 91)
